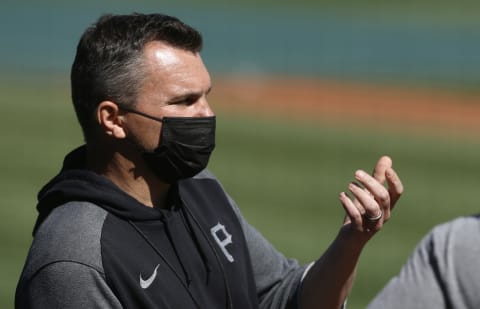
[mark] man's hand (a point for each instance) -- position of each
(373, 202)
(329, 281)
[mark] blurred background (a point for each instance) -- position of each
(306, 93)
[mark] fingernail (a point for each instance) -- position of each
(359, 174)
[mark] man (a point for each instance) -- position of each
(134, 220)
(442, 272)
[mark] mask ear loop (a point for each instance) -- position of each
(129, 140)
(133, 111)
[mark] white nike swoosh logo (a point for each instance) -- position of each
(146, 283)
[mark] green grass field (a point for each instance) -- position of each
(462, 12)
(284, 175)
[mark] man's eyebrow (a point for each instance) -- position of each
(193, 94)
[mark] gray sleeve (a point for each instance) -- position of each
(442, 272)
(64, 265)
(67, 285)
(277, 278)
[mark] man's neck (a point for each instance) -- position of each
(134, 179)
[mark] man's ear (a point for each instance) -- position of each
(110, 119)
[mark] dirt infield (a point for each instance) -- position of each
(430, 110)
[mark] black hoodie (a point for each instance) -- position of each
(119, 253)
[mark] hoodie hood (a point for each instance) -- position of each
(76, 183)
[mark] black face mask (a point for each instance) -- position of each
(185, 146)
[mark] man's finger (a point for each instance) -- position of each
(353, 214)
(377, 191)
(395, 186)
(370, 207)
(381, 167)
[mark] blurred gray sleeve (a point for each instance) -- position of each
(277, 278)
(442, 272)
(67, 285)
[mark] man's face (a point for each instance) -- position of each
(176, 85)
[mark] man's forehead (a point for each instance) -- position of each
(163, 54)
(176, 72)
